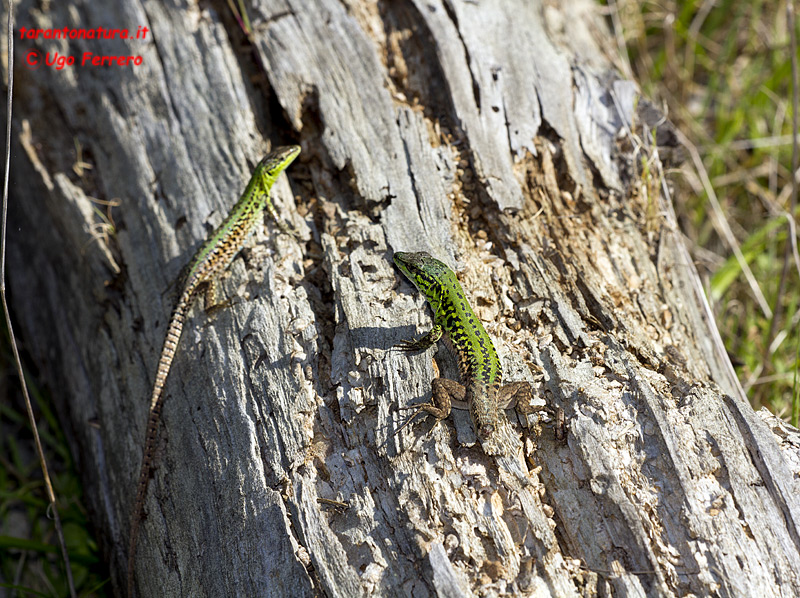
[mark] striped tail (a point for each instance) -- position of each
(156, 403)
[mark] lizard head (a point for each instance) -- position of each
(426, 272)
(275, 163)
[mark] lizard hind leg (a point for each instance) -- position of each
(518, 396)
(211, 305)
(445, 392)
(448, 394)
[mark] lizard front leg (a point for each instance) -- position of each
(422, 343)
(282, 226)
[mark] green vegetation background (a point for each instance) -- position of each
(721, 70)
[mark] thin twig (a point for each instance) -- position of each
(690, 53)
(754, 143)
(40, 451)
(792, 240)
(790, 23)
(722, 225)
(622, 47)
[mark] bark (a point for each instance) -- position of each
(495, 136)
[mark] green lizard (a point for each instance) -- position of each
(481, 393)
(213, 257)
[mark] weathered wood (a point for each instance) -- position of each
(495, 136)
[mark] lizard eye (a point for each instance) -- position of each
(485, 431)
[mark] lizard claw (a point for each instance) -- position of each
(407, 345)
(286, 229)
(418, 407)
(410, 419)
(402, 346)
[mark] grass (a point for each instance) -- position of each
(30, 559)
(722, 72)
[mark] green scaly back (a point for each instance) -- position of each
(477, 356)
(218, 251)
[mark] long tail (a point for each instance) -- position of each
(156, 403)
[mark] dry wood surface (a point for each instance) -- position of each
(498, 137)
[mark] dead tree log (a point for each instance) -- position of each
(496, 136)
